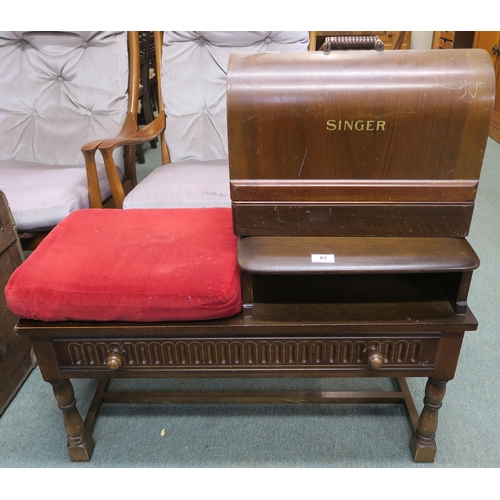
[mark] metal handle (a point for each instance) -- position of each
(352, 42)
(114, 360)
(375, 359)
(496, 50)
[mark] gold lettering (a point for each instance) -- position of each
(360, 125)
(331, 125)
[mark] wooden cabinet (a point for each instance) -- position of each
(453, 39)
(490, 41)
(16, 361)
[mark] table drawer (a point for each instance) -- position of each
(319, 352)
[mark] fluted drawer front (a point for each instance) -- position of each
(303, 352)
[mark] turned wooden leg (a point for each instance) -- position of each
(80, 443)
(423, 443)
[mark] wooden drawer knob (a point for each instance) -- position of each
(375, 359)
(114, 360)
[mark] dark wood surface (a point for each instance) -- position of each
(279, 254)
(393, 310)
(15, 352)
(65, 352)
(357, 143)
(395, 325)
(363, 219)
(435, 106)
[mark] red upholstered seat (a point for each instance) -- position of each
(132, 265)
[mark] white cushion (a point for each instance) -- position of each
(188, 184)
(194, 70)
(43, 195)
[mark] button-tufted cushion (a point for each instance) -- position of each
(59, 90)
(42, 195)
(194, 69)
(131, 265)
(184, 184)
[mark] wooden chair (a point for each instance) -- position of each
(61, 91)
(192, 118)
(149, 101)
(148, 89)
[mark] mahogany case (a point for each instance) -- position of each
(357, 143)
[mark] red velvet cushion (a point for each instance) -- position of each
(131, 265)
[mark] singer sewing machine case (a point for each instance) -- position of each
(357, 143)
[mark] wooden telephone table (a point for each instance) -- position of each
(351, 240)
(385, 308)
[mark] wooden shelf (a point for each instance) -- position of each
(357, 280)
(281, 254)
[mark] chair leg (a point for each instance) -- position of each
(139, 152)
(80, 443)
(423, 442)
